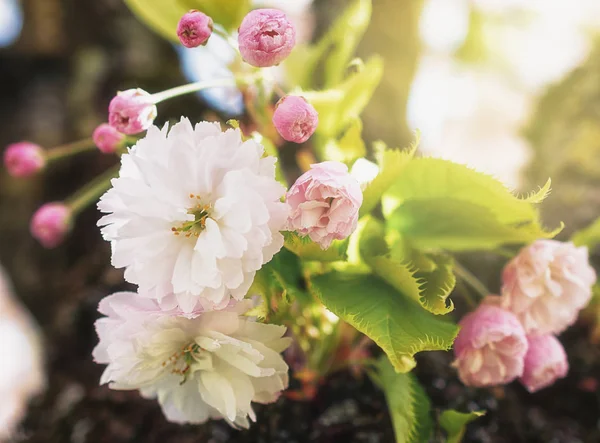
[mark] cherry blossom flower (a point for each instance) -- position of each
(490, 347)
(547, 284)
(211, 366)
(325, 201)
(195, 212)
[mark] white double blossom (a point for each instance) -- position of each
(211, 366)
(194, 213)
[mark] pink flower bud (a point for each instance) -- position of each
(50, 224)
(490, 347)
(545, 362)
(132, 111)
(324, 203)
(24, 159)
(547, 284)
(107, 138)
(295, 119)
(266, 37)
(194, 29)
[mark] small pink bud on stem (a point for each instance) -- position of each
(132, 111)
(24, 159)
(194, 29)
(107, 138)
(51, 223)
(295, 119)
(266, 37)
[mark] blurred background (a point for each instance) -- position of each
(509, 87)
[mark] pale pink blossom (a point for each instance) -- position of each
(132, 111)
(21, 360)
(24, 159)
(545, 362)
(266, 37)
(107, 138)
(51, 223)
(211, 366)
(325, 202)
(490, 347)
(295, 119)
(547, 284)
(194, 29)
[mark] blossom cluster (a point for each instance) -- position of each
(194, 213)
(513, 335)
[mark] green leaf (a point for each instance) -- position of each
(455, 423)
(452, 224)
(163, 16)
(433, 178)
(392, 163)
(395, 322)
(339, 43)
(340, 106)
(435, 203)
(279, 281)
(408, 404)
(333, 51)
(437, 285)
(306, 249)
(350, 147)
(589, 236)
(430, 286)
(227, 13)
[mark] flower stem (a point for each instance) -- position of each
(92, 191)
(470, 279)
(70, 149)
(222, 32)
(199, 86)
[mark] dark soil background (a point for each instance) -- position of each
(55, 85)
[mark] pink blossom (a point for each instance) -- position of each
(490, 347)
(107, 138)
(547, 284)
(545, 362)
(24, 159)
(194, 29)
(132, 111)
(295, 119)
(266, 37)
(325, 201)
(51, 223)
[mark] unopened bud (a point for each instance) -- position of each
(24, 159)
(194, 29)
(107, 138)
(132, 111)
(266, 37)
(295, 119)
(51, 223)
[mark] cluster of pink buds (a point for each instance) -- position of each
(512, 336)
(52, 222)
(266, 37)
